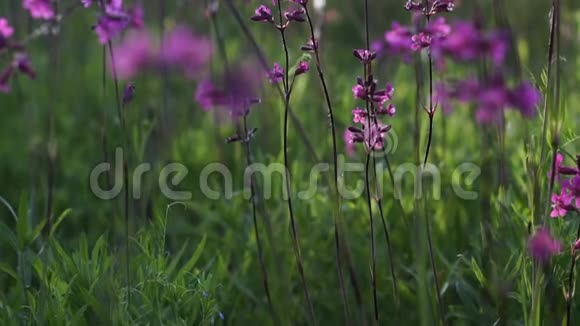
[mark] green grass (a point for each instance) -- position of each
(193, 260)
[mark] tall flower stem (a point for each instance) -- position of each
(246, 140)
(334, 159)
(431, 113)
(367, 73)
(372, 238)
(378, 199)
(264, 63)
(125, 146)
(287, 181)
(570, 293)
(544, 141)
(431, 109)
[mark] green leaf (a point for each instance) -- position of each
(193, 260)
(7, 234)
(22, 223)
(169, 270)
(59, 220)
(478, 273)
(8, 270)
(36, 232)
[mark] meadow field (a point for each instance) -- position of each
(289, 162)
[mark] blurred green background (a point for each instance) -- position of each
(479, 244)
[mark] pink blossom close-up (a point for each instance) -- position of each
(39, 9)
(542, 245)
(6, 30)
(560, 204)
(134, 54)
(182, 48)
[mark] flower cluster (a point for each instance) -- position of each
(182, 49)
(569, 178)
(294, 14)
(297, 13)
(542, 245)
(114, 19)
(492, 97)
(239, 91)
(462, 41)
(432, 7)
(368, 129)
(405, 40)
(19, 63)
(39, 9)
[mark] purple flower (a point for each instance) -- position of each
(414, 6)
(359, 92)
(560, 204)
(349, 144)
(398, 39)
(208, 96)
(19, 64)
(435, 31)
(128, 93)
(443, 97)
(364, 55)
(576, 245)
(442, 6)
(492, 99)
(87, 3)
(23, 65)
(526, 98)
(108, 27)
(420, 41)
(496, 45)
(263, 14)
(492, 96)
(237, 94)
(573, 188)
(465, 42)
(135, 53)
(373, 137)
(185, 50)
(115, 20)
(558, 166)
(388, 110)
(384, 95)
(276, 74)
(296, 15)
(5, 77)
(39, 9)
(359, 115)
(302, 68)
(136, 15)
(561, 169)
(6, 30)
(542, 245)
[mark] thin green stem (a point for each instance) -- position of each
(386, 232)
(287, 181)
(125, 146)
(334, 160)
(246, 141)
